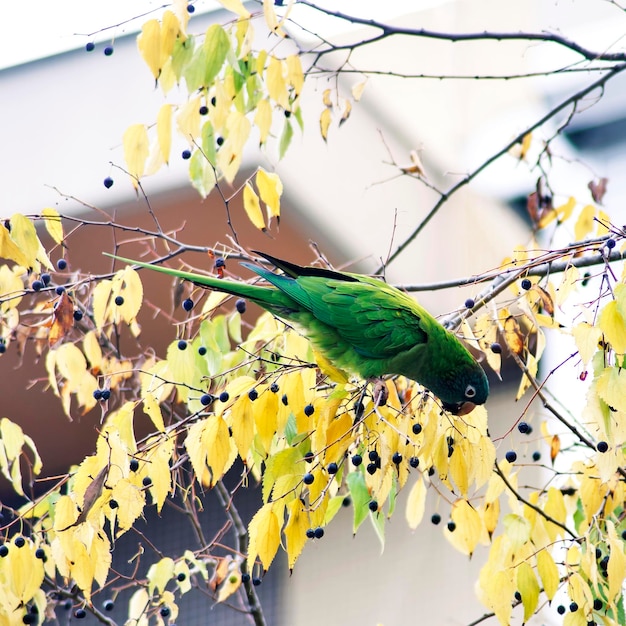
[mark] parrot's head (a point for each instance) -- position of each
(470, 388)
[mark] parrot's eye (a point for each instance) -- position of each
(470, 391)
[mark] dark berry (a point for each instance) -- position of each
(37, 285)
(573, 607)
(357, 459)
(182, 344)
(78, 315)
(598, 553)
(219, 141)
(147, 481)
(450, 451)
(190, 8)
(108, 182)
(45, 278)
(188, 304)
(97, 394)
(431, 471)
(213, 101)
(165, 611)
(256, 581)
(523, 427)
(220, 262)
(371, 468)
(469, 303)
(309, 456)
(274, 388)
(309, 409)
(610, 243)
(417, 429)
(414, 462)
(119, 300)
(253, 394)
(186, 154)
(59, 290)
(108, 605)
(133, 465)
(518, 596)
(29, 618)
(310, 533)
(90, 46)
(61, 264)
(3, 347)
(511, 456)
(40, 553)
(287, 113)
(203, 110)
(319, 532)
(624, 535)
(536, 455)
(346, 501)
(397, 458)
(80, 613)
(451, 526)
(4, 550)
(308, 479)
(206, 399)
(332, 468)
(597, 604)
(245, 577)
(373, 506)
(435, 518)
(284, 399)
(526, 284)
(372, 455)
(113, 503)
(181, 576)
(19, 542)
(202, 350)
(106, 394)
(108, 51)
(240, 305)
(602, 446)
(496, 348)
(224, 397)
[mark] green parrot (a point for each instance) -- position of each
(361, 325)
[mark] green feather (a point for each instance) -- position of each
(362, 325)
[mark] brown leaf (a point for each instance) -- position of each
(92, 493)
(62, 320)
(546, 300)
(555, 447)
(598, 189)
(513, 335)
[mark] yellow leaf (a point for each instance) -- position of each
(295, 75)
(131, 500)
(252, 207)
(24, 235)
(517, 529)
(555, 508)
(325, 119)
(164, 131)
(160, 574)
(127, 284)
(153, 410)
(346, 112)
(170, 31)
(137, 608)
(416, 503)
(357, 90)
(295, 531)
(469, 527)
(159, 450)
(136, 150)
(264, 536)
(568, 284)
(265, 411)
(208, 445)
(616, 570)
(528, 587)
(235, 6)
(188, 119)
(326, 98)
(526, 141)
(53, 224)
(611, 387)
(242, 423)
(276, 82)
(612, 320)
(549, 573)
(491, 515)
(585, 223)
(270, 189)
(270, 15)
(531, 366)
(586, 337)
(263, 119)
(149, 44)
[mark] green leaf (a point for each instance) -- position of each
(360, 498)
(201, 174)
(285, 138)
(378, 522)
(216, 46)
(182, 55)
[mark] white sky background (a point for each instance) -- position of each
(42, 28)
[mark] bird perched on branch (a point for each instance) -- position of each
(361, 325)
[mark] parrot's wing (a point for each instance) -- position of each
(377, 320)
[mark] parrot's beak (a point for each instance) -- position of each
(460, 408)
